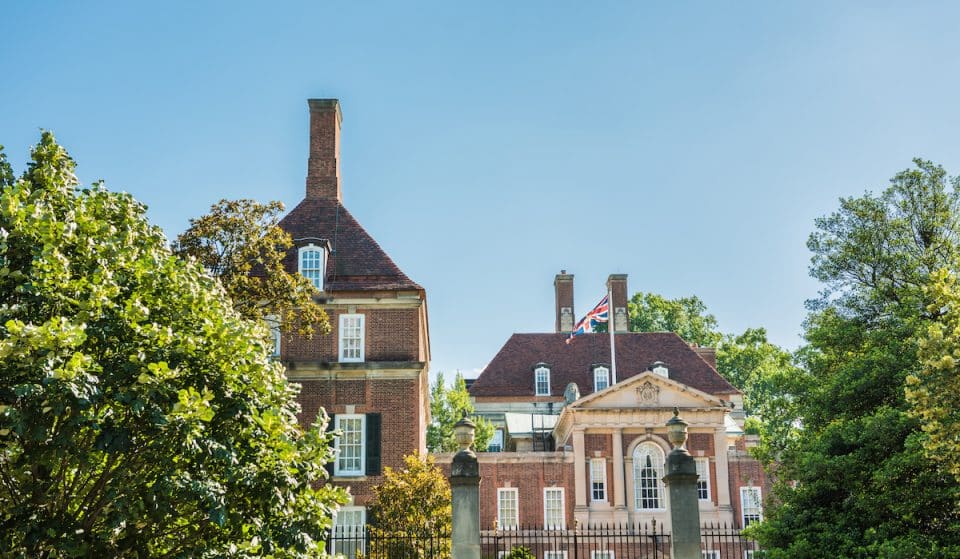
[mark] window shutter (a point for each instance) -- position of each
(330, 426)
(372, 445)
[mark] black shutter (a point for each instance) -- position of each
(330, 426)
(373, 445)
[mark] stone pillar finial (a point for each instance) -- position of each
(681, 481)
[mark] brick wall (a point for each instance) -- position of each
(395, 399)
(530, 477)
(390, 335)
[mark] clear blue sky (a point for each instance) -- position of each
(487, 145)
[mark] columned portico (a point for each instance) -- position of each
(723, 489)
(619, 483)
(580, 511)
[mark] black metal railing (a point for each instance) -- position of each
(594, 542)
(370, 542)
(720, 541)
(621, 541)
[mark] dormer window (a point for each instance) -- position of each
(541, 376)
(601, 378)
(660, 368)
(311, 262)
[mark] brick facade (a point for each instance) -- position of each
(387, 390)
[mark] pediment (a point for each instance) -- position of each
(648, 390)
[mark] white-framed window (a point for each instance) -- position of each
(554, 555)
(274, 323)
(703, 479)
(661, 369)
(751, 553)
(542, 381)
(351, 338)
(553, 509)
(605, 554)
(349, 444)
(496, 443)
(601, 378)
(311, 261)
(648, 477)
(751, 505)
(710, 554)
(348, 531)
(598, 480)
(508, 508)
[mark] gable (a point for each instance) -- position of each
(648, 390)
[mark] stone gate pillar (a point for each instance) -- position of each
(465, 493)
(681, 480)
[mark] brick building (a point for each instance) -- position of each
(582, 438)
(370, 374)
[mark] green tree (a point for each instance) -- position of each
(934, 390)
(854, 481)
(749, 360)
(140, 415)
(447, 406)
(411, 512)
(240, 243)
(687, 316)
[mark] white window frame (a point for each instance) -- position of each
(339, 445)
(750, 553)
(274, 323)
(710, 554)
(545, 371)
(560, 522)
(504, 522)
(602, 554)
(597, 372)
(703, 479)
(598, 480)
(342, 336)
(555, 555)
(754, 516)
(657, 463)
(662, 370)
(348, 539)
(315, 275)
(496, 442)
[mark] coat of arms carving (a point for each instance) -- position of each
(648, 393)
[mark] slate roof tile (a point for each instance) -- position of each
(510, 373)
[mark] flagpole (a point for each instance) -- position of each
(613, 347)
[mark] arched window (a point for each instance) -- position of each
(647, 477)
(541, 378)
(601, 378)
(312, 263)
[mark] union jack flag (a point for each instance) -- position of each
(600, 313)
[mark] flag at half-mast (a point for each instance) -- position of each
(600, 313)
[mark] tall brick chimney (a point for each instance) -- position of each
(323, 165)
(563, 286)
(617, 285)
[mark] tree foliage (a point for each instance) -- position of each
(934, 390)
(687, 316)
(854, 481)
(140, 415)
(748, 360)
(447, 406)
(240, 243)
(415, 504)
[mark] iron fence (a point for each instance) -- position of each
(594, 542)
(720, 541)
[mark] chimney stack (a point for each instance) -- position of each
(323, 165)
(617, 286)
(563, 286)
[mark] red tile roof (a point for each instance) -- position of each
(356, 261)
(511, 371)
